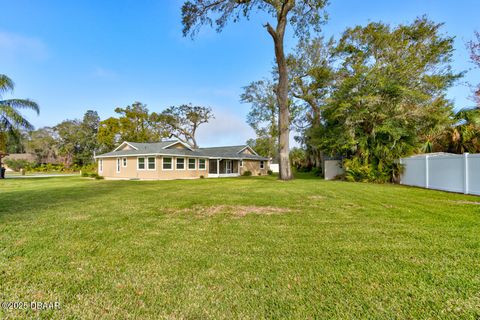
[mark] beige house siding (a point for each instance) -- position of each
(247, 151)
(131, 171)
(177, 145)
(254, 167)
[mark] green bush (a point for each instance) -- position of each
(269, 172)
(60, 167)
(85, 174)
(202, 177)
(48, 167)
(382, 172)
(317, 172)
(247, 173)
(17, 164)
(93, 175)
(85, 168)
(97, 177)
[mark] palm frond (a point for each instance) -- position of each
(21, 104)
(6, 84)
(11, 119)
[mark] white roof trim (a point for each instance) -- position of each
(178, 141)
(251, 149)
(125, 142)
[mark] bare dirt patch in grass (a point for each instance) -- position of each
(317, 197)
(388, 206)
(235, 210)
(467, 202)
(79, 217)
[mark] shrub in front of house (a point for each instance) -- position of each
(269, 172)
(18, 164)
(247, 173)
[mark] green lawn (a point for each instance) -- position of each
(238, 248)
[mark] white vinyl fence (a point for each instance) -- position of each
(443, 171)
(274, 167)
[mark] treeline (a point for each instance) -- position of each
(371, 97)
(73, 143)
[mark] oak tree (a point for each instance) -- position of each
(302, 15)
(182, 122)
(474, 47)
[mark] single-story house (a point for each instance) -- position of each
(29, 157)
(176, 160)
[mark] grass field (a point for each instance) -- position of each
(237, 248)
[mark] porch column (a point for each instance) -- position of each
(218, 166)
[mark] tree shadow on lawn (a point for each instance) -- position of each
(25, 202)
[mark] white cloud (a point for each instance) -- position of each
(225, 129)
(103, 73)
(14, 46)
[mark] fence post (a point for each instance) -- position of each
(465, 173)
(401, 174)
(426, 171)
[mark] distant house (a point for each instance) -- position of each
(18, 156)
(176, 160)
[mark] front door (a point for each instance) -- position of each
(229, 166)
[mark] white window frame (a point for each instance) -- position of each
(100, 165)
(176, 164)
(262, 164)
(204, 164)
(144, 163)
(124, 162)
(241, 163)
(194, 164)
(154, 163)
(171, 164)
(118, 165)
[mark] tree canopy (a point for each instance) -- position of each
(389, 91)
(263, 116)
(182, 122)
(303, 15)
(474, 47)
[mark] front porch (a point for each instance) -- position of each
(220, 168)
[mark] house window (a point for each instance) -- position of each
(201, 164)
(167, 164)
(124, 161)
(141, 164)
(118, 165)
(100, 165)
(180, 163)
(151, 163)
(192, 164)
(262, 164)
(241, 163)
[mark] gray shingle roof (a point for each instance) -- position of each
(159, 148)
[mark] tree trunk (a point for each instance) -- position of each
(282, 92)
(284, 114)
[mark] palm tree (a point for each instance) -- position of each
(11, 120)
(464, 136)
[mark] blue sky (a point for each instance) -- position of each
(71, 56)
